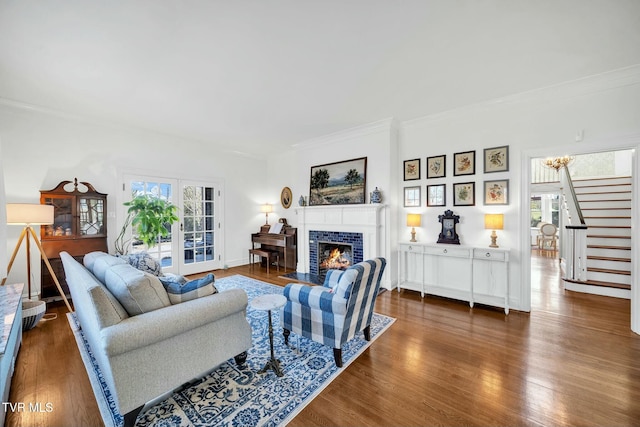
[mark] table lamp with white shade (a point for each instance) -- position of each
(266, 209)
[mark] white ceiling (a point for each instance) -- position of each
(265, 74)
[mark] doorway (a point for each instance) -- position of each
(622, 152)
(195, 243)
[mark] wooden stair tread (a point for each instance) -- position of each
(608, 258)
(604, 192)
(605, 178)
(622, 248)
(600, 283)
(604, 236)
(609, 226)
(604, 209)
(608, 217)
(609, 271)
(602, 200)
(604, 185)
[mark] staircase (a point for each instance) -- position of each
(606, 207)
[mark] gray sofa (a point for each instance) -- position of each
(146, 355)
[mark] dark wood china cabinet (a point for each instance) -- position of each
(79, 227)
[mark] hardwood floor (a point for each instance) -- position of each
(572, 361)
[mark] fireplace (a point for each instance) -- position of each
(334, 256)
(347, 248)
(363, 226)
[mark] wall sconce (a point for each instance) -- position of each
(493, 222)
(413, 220)
(267, 209)
(557, 162)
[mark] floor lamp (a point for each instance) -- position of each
(29, 214)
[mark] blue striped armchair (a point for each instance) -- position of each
(332, 314)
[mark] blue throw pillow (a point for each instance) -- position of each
(144, 262)
(180, 292)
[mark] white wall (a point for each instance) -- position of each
(40, 149)
(377, 142)
(605, 110)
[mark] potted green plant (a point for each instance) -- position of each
(150, 218)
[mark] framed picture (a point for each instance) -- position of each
(496, 192)
(286, 197)
(436, 166)
(411, 197)
(340, 183)
(464, 163)
(496, 159)
(464, 194)
(411, 169)
(436, 195)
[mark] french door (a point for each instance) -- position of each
(194, 244)
(200, 227)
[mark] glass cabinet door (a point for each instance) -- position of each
(63, 224)
(90, 216)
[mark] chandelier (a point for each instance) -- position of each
(557, 162)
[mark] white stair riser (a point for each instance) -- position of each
(604, 241)
(604, 196)
(607, 277)
(609, 231)
(618, 211)
(598, 290)
(603, 189)
(620, 180)
(615, 253)
(611, 265)
(619, 222)
(618, 206)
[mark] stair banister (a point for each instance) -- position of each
(575, 252)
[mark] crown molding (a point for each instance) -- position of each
(385, 125)
(615, 79)
(20, 106)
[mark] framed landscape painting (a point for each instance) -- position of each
(411, 169)
(436, 166)
(339, 183)
(464, 194)
(464, 163)
(496, 192)
(496, 159)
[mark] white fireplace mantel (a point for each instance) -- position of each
(366, 219)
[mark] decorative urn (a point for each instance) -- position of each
(375, 196)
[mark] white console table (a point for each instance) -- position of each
(467, 273)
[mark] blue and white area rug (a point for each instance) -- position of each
(235, 396)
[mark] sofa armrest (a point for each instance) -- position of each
(158, 325)
(315, 297)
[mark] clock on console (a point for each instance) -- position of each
(448, 233)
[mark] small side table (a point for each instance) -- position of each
(267, 303)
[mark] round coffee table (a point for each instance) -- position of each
(267, 303)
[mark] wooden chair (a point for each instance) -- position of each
(548, 238)
(266, 254)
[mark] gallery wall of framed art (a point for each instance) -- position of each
(457, 189)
